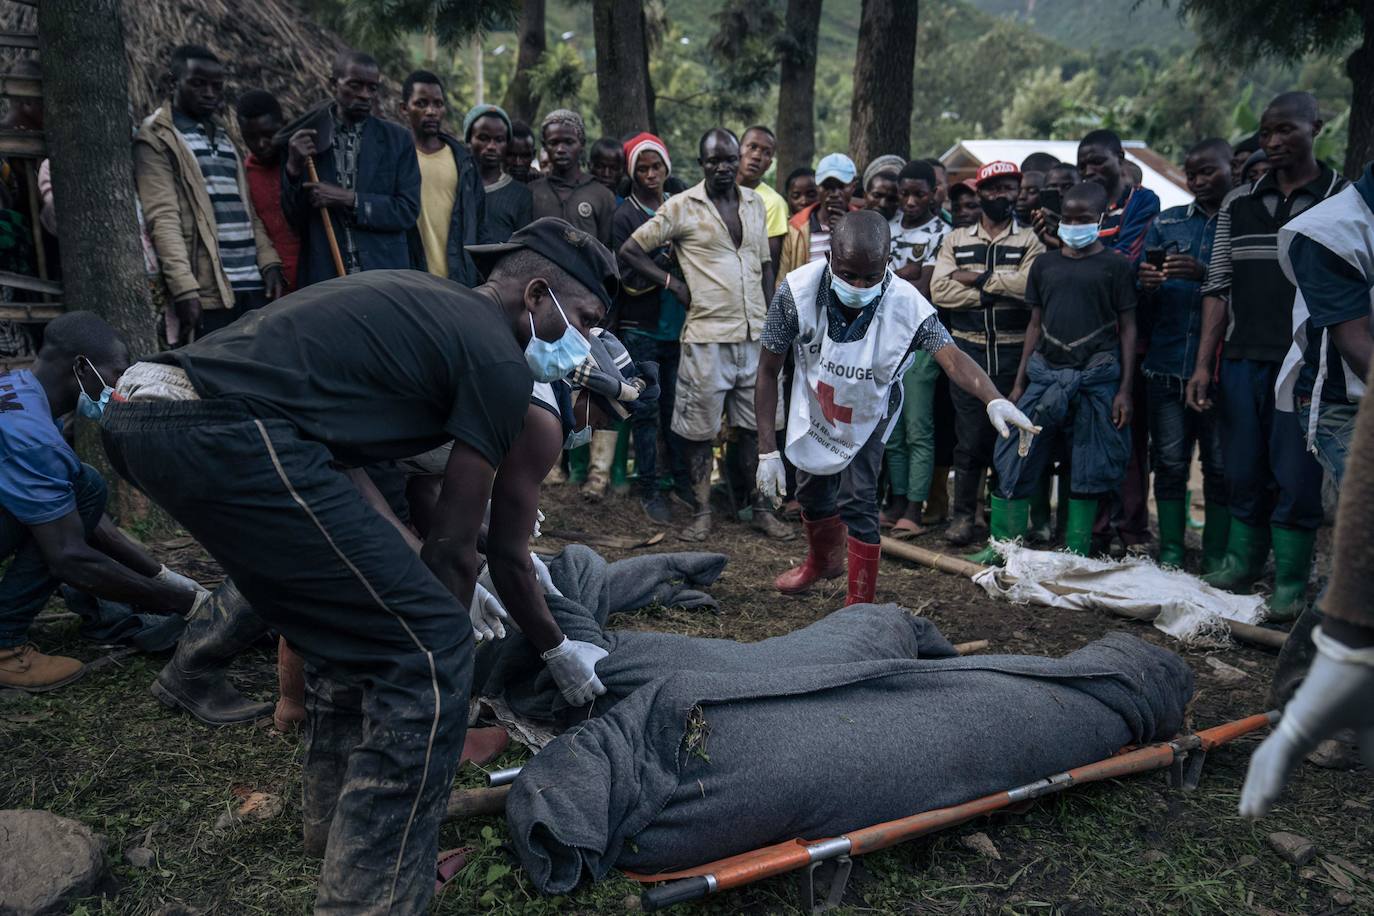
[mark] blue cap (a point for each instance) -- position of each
(836, 165)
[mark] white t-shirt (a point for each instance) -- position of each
(918, 244)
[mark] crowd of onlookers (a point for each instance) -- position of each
(1134, 336)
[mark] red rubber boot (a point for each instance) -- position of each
(824, 556)
(863, 571)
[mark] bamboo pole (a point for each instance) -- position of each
(463, 803)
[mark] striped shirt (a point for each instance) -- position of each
(219, 167)
(1244, 267)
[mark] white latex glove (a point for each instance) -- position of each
(573, 666)
(538, 520)
(541, 572)
(1338, 693)
(487, 615)
(169, 577)
(1004, 414)
(771, 478)
(202, 598)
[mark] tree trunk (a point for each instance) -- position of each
(622, 74)
(86, 89)
(797, 88)
(650, 99)
(521, 102)
(1359, 147)
(880, 115)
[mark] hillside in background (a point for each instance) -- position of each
(1046, 69)
(1101, 25)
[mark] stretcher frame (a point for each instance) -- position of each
(1183, 757)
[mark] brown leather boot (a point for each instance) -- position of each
(290, 711)
(25, 668)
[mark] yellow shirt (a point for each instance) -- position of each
(776, 208)
(438, 190)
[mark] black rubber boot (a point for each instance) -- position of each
(1295, 657)
(699, 466)
(967, 485)
(333, 728)
(196, 678)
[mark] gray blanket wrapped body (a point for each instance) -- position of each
(700, 765)
(593, 590)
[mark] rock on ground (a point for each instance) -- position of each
(1298, 850)
(45, 861)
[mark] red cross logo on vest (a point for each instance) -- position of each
(834, 413)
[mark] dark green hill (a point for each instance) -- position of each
(1100, 25)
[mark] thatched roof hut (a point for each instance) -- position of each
(267, 44)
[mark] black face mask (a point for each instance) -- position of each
(997, 209)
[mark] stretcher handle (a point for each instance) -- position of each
(684, 890)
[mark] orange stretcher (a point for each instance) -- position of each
(1183, 756)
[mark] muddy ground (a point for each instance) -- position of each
(107, 753)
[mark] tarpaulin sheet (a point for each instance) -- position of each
(697, 766)
(1178, 604)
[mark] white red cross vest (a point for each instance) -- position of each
(840, 390)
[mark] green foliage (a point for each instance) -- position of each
(558, 77)
(1245, 30)
(382, 27)
(744, 48)
(1048, 107)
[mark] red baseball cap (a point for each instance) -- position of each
(997, 169)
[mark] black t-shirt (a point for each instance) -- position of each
(379, 365)
(1079, 299)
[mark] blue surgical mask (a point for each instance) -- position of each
(577, 438)
(1078, 235)
(855, 297)
(551, 361)
(86, 406)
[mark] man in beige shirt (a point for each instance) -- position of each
(718, 231)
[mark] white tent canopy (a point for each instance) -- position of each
(968, 155)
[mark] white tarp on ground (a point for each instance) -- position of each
(1179, 604)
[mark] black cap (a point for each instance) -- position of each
(575, 251)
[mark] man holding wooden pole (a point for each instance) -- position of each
(352, 183)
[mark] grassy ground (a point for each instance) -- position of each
(105, 752)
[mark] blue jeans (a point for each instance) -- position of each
(1174, 430)
(1270, 477)
(1335, 429)
(28, 583)
(647, 423)
(1073, 406)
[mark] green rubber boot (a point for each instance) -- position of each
(1173, 520)
(1041, 529)
(1292, 568)
(1009, 520)
(620, 474)
(1215, 533)
(579, 459)
(1246, 548)
(1078, 535)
